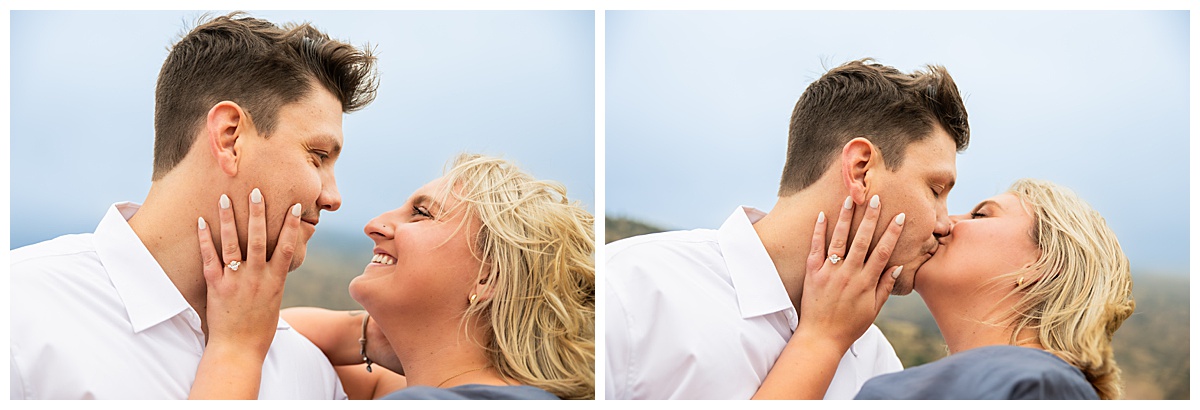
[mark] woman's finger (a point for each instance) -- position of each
(289, 235)
(837, 243)
(209, 261)
(884, 248)
(816, 251)
(230, 249)
(887, 282)
(866, 230)
(256, 232)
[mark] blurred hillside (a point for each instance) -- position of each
(620, 228)
(331, 262)
(1152, 347)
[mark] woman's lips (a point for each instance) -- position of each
(383, 259)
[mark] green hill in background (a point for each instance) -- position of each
(621, 228)
(324, 277)
(1152, 347)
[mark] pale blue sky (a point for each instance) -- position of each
(512, 83)
(698, 103)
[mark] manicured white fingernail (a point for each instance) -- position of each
(201, 222)
(875, 201)
(900, 219)
(896, 272)
(847, 203)
(821, 217)
(224, 201)
(255, 196)
(296, 210)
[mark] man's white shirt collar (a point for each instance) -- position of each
(149, 296)
(759, 289)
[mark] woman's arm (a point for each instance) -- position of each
(838, 304)
(337, 334)
(362, 385)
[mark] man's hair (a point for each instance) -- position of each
(866, 99)
(541, 249)
(257, 65)
(1082, 289)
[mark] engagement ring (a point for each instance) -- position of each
(236, 264)
(832, 258)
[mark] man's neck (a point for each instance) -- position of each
(787, 232)
(166, 223)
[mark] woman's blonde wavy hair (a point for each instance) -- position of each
(1079, 291)
(538, 252)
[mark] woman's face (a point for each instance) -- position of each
(423, 262)
(992, 240)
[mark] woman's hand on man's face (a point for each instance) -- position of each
(244, 295)
(844, 289)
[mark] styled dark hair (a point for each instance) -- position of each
(256, 64)
(865, 99)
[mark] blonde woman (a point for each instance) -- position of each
(482, 286)
(1027, 290)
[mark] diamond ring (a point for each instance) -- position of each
(832, 258)
(234, 265)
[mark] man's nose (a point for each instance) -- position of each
(330, 199)
(943, 225)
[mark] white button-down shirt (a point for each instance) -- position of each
(702, 314)
(95, 317)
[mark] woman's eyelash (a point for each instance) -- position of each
(417, 210)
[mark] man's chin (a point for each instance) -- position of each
(903, 286)
(908, 277)
(297, 259)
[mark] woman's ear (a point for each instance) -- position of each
(1028, 275)
(483, 289)
(225, 123)
(859, 158)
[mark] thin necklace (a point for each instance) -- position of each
(460, 374)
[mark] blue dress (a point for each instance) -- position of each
(985, 373)
(471, 392)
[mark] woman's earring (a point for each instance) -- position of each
(472, 298)
(1020, 281)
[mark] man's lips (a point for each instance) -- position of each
(934, 248)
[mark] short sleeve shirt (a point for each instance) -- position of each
(471, 392)
(985, 373)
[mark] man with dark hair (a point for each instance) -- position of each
(245, 111)
(704, 314)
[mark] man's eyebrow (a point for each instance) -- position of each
(329, 141)
(945, 176)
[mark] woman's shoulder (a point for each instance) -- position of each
(471, 392)
(990, 372)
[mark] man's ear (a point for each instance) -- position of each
(225, 123)
(858, 161)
